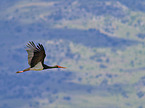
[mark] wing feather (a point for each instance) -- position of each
(36, 54)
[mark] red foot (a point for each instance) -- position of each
(19, 72)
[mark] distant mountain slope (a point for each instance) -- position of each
(113, 18)
(101, 42)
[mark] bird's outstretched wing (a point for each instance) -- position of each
(35, 53)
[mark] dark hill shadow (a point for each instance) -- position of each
(34, 84)
(91, 38)
(14, 32)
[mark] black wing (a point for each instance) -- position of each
(35, 54)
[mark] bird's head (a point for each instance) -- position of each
(59, 66)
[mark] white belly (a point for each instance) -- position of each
(37, 67)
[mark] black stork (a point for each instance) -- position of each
(36, 56)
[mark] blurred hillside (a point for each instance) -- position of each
(101, 42)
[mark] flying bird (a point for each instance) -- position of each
(36, 56)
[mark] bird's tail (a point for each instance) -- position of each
(23, 70)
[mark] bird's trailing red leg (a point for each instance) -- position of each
(23, 70)
(19, 71)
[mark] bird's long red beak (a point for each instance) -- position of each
(61, 67)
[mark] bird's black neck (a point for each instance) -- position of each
(48, 67)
